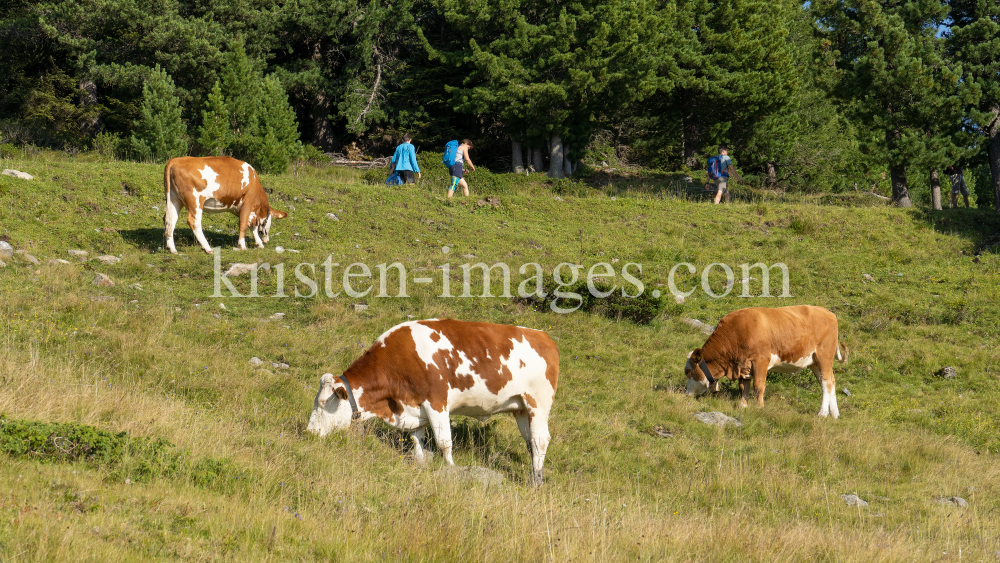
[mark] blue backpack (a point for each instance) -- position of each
(715, 170)
(450, 152)
(393, 179)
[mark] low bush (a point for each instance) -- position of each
(641, 309)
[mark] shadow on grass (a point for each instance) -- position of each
(152, 239)
(468, 435)
(981, 226)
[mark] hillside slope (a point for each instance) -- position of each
(155, 356)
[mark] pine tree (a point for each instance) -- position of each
(280, 143)
(974, 41)
(241, 89)
(550, 70)
(887, 66)
(214, 133)
(160, 133)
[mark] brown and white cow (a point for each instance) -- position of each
(216, 184)
(748, 343)
(419, 373)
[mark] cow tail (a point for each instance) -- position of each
(166, 183)
(842, 357)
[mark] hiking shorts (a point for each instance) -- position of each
(959, 188)
(457, 170)
(406, 176)
(720, 185)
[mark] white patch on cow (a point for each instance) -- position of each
(426, 347)
(790, 367)
(211, 185)
(246, 175)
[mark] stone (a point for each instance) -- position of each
(216, 315)
(865, 278)
(136, 286)
(6, 250)
(679, 299)
(17, 174)
(853, 500)
(279, 365)
(238, 269)
(695, 323)
(222, 306)
(957, 501)
(108, 259)
(3, 264)
(360, 307)
(77, 253)
(279, 249)
(102, 298)
(470, 474)
(277, 316)
(256, 362)
(662, 432)
(716, 419)
(102, 280)
(58, 261)
(31, 259)
(947, 372)
(332, 217)
(846, 391)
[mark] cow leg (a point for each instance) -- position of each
(745, 387)
(824, 375)
(170, 216)
(440, 423)
(534, 426)
(418, 445)
(194, 221)
(759, 371)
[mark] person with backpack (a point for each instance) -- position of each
(719, 169)
(955, 174)
(455, 156)
(404, 161)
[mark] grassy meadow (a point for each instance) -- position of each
(238, 478)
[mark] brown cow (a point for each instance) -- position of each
(420, 372)
(216, 184)
(748, 343)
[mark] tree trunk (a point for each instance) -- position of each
(88, 97)
(994, 150)
(567, 163)
(556, 156)
(900, 192)
(690, 132)
(517, 161)
(935, 189)
(772, 174)
(322, 131)
(536, 160)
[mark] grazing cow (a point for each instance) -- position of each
(216, 184)
(420, 372)
(748, 343)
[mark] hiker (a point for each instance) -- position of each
(456, 157)
(955, 173)
(404, 161)
(719, 169)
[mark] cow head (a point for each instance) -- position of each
(264, 227)
(699, 382)
(331, 409)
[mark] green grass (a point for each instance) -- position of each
(164, 362)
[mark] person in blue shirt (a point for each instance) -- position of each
(405, 161)
(726, 168)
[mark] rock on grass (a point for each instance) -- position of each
(102, 280)
(716, 419)
(853, 500)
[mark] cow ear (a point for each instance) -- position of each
(278, 214)
(341, 393)
(695, 355)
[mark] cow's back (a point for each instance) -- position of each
(781, 329)
(222, 178)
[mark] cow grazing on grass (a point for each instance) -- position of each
(216, 184)
(420, 372)
(748, 343)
